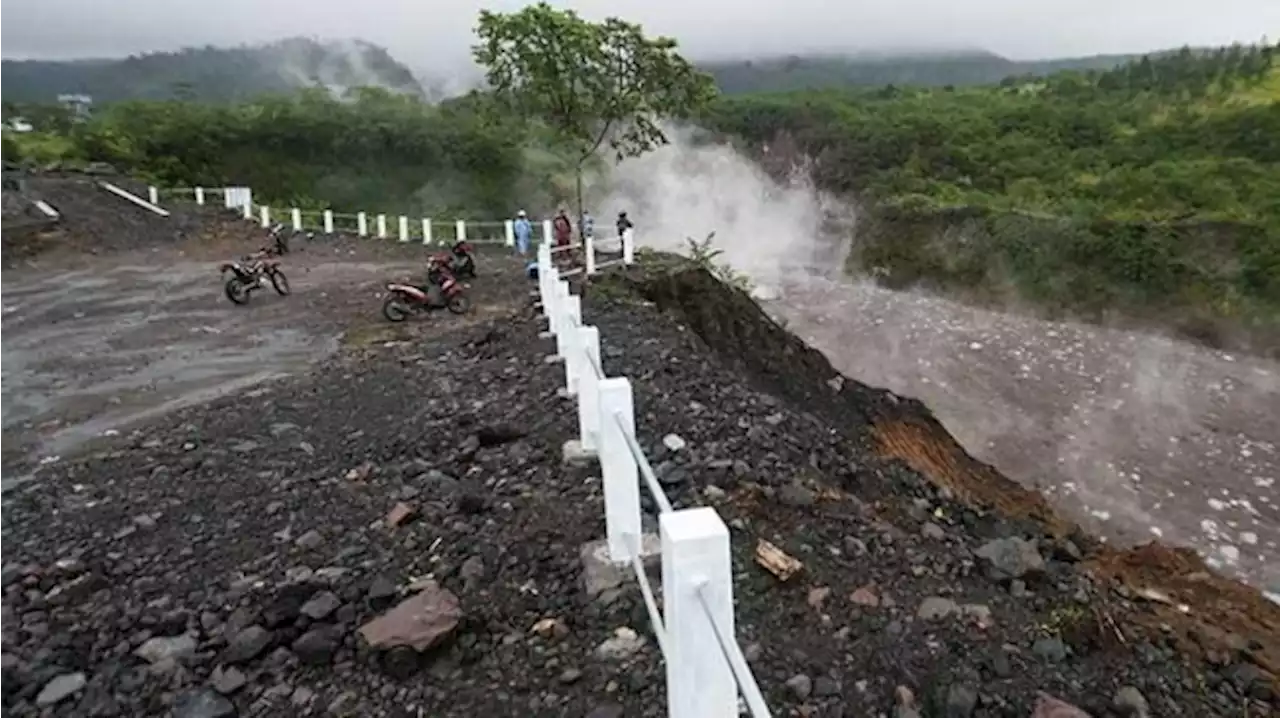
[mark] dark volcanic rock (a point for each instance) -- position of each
(460, 417)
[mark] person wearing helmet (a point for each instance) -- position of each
(524, 232)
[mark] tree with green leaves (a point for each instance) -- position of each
(593, 84)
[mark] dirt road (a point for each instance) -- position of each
(1136, 436)
(88, 352)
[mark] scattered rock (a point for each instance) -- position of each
(319, 606)
(382, 588)
(400, 513)
(935, 608)
(227, 679)
(818, 595)
(1051, 649)
(1130, 702)
(421, 621)
(865, 596)
(796, 494)
(962, 698)
(1010, 558)
(202, 703)
(247, 645)
(933, 531)
(1049, 707)
(624, 644)
(60, 688)
(904, 703)
(550, 628)
(316, 647)
(801, 686)
(673, 442)
(310, 540)
(161, 648)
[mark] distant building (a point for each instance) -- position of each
(17, 124)
(81, 106)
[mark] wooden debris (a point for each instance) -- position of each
(776, 561)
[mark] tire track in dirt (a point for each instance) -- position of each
(1136, 436)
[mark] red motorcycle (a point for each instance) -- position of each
(442, 291)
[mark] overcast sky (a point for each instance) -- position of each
(433, 35)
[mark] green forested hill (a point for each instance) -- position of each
(1153, 186)
(1150, 189)
(933, 70)
(211, 73)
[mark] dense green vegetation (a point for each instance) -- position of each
(1153, 187)
(375, 150)
(1149, 189)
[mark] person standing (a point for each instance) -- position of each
(524, 232)
(623, 224)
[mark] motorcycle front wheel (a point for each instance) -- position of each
(280, 283)
(395, 309)
(237, 291)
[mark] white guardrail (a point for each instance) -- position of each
(406, 229)
(706, 669)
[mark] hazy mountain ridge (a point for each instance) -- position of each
(929, 68)
(213, 73)
(221, 73)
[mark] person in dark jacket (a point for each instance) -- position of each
(623, 224)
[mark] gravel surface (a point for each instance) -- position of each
(231, 558)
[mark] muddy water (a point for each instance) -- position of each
(88, 353)
(1136, 436)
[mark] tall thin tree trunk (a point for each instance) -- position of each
(578, 219)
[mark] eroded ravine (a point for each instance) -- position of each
(1136, 436)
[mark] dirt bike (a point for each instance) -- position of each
(442, 291)
(280, 237)
(252, 273)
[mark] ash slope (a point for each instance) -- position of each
(192, 526)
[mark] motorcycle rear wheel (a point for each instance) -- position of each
(237, 291)
(460, 304)
(395, 309)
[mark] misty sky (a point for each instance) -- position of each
(433, 35)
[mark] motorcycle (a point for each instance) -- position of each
(280, 237)
(442, 291)
(253, 273)
(462, 259)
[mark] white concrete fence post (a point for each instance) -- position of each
(561, 305)
(619, 474)
(509, 232)
(545, 270)
(547, 231)
(426, 231)
(362, 224)
(460, 230)
(573, 356)
(589, 390)
(199, 196)
(382, 226)
(589, 247)
(153, 195)
(404, 228)
(328, 221)
(266, 215)
(295, 215)
(628, 246)
(695, 558)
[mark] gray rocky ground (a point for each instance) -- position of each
(256, 554)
